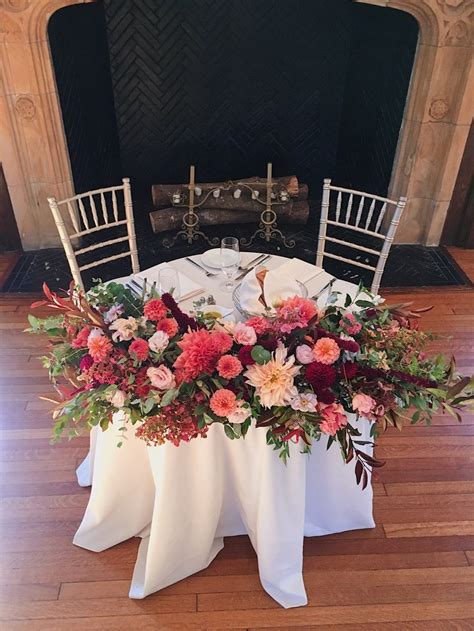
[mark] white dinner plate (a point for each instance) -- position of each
(212, 258)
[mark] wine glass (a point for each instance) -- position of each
(230, 260)
(168, 282)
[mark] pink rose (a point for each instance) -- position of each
(161, 378)
(363, 404)
(240, 414)
(304, 354)
(244, 335)
(118, 399)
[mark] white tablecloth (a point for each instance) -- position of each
(183, 500)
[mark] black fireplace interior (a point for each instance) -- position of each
(317, 87)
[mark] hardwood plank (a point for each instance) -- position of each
(333, 594)
(242, 583)
(315, 616)
(431, 488)
(30, 592)
(430, 529)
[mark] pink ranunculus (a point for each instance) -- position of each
(161, 377)
(334, 418)
(223, 402)
(326, 351)
(350, 325)
(158, 341)
(304, 354)
(362, 403)
(244, 334)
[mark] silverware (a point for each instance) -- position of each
(240, 276)
(245, 267)
(326, 286)
(203, 269)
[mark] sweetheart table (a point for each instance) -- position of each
(182, 501)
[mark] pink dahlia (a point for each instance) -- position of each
(223, 402)
(139, 349)
(168, 326)
(155, 309)
(99, 347)
(326, 350)
(334, 418)
(222, 340)
(229, 367)
(80, 341)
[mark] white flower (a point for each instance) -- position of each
(241, 413)
(125, 329)
(305, 402)
(158, 341)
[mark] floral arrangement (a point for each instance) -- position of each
(301, 373)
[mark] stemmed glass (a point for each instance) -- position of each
(168, 282)
(230, 260)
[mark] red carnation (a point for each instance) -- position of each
(349, 370)
(320, 376)
(155, 309)
(245, 356)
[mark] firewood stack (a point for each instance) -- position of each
(235, 202)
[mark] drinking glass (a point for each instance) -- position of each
(230, 260)
(168, 282)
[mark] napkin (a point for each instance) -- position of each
(279, 283)
(188, 287)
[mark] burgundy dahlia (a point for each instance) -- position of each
(320, 376)
(86, 362)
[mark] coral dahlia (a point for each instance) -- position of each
(223, 402)
(155, 309)
(229, 367)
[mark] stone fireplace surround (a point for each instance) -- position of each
(435, 125)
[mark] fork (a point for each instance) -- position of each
(203, 269)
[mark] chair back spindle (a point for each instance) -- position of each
(361, 224)
(84, 218)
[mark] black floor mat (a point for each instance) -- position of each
(407, 265)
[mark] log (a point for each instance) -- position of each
(172, 218)
(162, 193)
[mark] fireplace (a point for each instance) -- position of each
(436, 118)
(316, 87)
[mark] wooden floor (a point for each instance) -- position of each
(413, 571)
